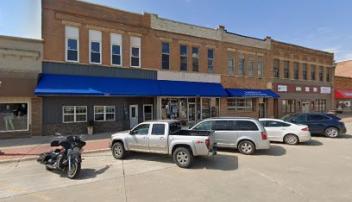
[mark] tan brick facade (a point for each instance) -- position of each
(154, 30)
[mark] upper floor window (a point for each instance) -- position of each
(321, 73)
(250, 68)
(296, 70)
(230, 64)
(260, 67)
(165, 55)
(276, 68)
(116, 49)
(72, 44)
(241, 65)
(195, 59)
(95, 46)
(304, 72)
(286, 69)
(211, 60)
(328, 75)
(312, 72)
(135, 51)
(183, 57)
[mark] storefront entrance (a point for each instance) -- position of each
(305, 106)
(133, 115)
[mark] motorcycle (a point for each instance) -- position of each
(67, 159)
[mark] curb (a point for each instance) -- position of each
(34, 157)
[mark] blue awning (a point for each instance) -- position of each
(53, 84)
(236, 92)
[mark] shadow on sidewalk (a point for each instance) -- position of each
(88, 173)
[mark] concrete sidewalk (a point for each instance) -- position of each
(29, 148)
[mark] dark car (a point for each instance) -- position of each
(319, 123)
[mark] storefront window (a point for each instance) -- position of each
(240, 104)
(288, 106)
(321, 105)
(189, 110)
(13, 117)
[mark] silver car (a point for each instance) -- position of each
(245, 134)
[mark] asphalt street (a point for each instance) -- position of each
(315, 171)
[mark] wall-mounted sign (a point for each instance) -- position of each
(325, 90)
(306, 89)
(298, 89)
(281, 88)
(315, 89)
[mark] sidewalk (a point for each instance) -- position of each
(30, 148)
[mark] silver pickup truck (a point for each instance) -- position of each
(164, 137)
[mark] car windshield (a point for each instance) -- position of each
(175, 128)
(287, 117)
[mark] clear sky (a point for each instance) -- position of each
(319, 24)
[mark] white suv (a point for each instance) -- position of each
(245, 134)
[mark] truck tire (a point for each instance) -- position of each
(183, 157)
(118, 150)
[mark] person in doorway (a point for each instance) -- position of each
(8, 118)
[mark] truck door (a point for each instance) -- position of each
(158, 138)
(138, 139)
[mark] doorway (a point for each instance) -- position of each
(262, 110)
(133, 115)
(192, 114)
(305, 106)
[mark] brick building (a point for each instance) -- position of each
(157, 68)
(343, 85)
(20, 109)
(303, 78)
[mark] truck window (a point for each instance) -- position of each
(141, 129)
(158, 129)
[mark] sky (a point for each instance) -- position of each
(319, 24)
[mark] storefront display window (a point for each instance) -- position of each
(13, 117)
(320, 105)
(189, 110)
(241, 104)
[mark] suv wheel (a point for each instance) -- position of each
(246, 147)
(183, 157)
(118, 150)
(331, 132)
(291, 139)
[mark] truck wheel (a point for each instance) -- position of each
(118, 150)
(183, 157)
(246, 147)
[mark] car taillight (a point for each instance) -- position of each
(264, 136)
(207, 142)
(305, 129)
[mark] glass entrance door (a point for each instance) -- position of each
(192, 114)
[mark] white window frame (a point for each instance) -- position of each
(139, 50)
(67, 37)
(145, 105)
(74, 114)
(211, 60)
(29, 111)
(165, 53)
(96, 40)
(104, 113)
(116, 39)
(260, 66)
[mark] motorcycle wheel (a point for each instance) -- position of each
(75, 170)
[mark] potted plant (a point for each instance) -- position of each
(90, 127)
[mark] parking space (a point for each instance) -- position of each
(315, 171)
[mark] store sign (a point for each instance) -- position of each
(325, 90)
(298, 89)
(306, 89)
(281, 88)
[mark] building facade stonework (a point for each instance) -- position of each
(76, 34)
